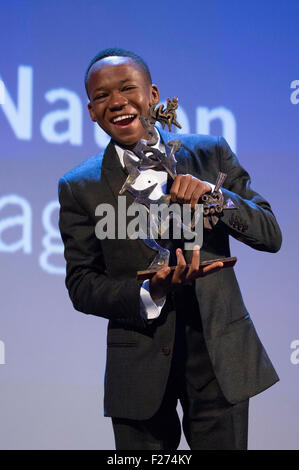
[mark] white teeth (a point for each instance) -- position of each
(120, 118)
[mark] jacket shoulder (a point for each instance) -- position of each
(192, 141)
(89, 169)
(201, 141)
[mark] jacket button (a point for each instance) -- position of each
(166, 351)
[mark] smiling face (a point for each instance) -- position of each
(120, 92)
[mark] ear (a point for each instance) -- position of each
(155, 95)
(91, 112)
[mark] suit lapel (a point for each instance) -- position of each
(113, 176)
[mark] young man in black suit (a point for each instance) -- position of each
(185, 334)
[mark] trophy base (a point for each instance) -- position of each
(227, 263)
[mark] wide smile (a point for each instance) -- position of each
(123, 120)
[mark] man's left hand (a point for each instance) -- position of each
(186, 189)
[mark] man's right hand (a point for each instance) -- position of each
(165, 279)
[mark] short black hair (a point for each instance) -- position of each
(115, 52)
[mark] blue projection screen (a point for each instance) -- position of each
(234, 67)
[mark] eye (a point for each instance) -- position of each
(100, 97)
(129, 87)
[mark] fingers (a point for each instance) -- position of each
(186, 189)
(197, 193)
(182, 183)
(160, 283)
(212, 268)
(162, 273)
(179, 273)
(175, 188)
(183, 276)
(165, 279)
(195, 263)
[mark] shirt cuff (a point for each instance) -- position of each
(149, 309)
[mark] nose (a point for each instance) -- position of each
(117, 101)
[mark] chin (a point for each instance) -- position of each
(129, 142)
(129, 145)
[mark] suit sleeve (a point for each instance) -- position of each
(91, 290)
(253, 222)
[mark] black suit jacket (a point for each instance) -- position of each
(101, 280)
